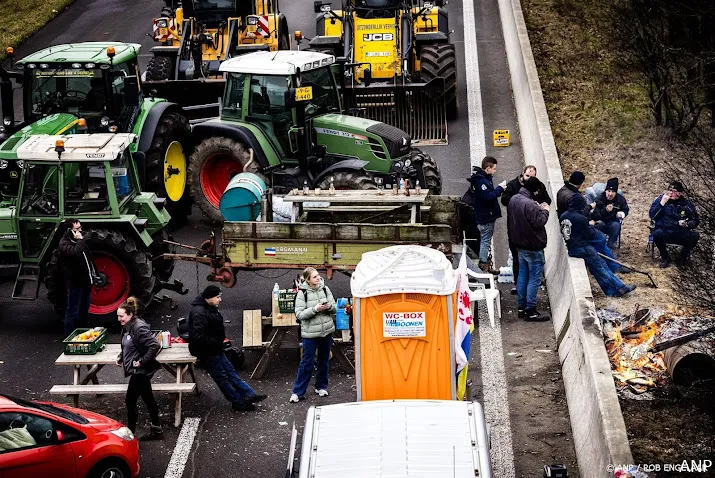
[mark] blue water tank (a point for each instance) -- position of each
(241, 201)
(342, 321)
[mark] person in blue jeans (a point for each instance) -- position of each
(674, 219)
(206, 337)
(578, 234)
(527, 226)
(486, 207)
(78, 272)
(315, 311)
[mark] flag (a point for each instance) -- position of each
(465, 324)
(269, 251)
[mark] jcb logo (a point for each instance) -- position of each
(378, 37)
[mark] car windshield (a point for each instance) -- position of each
(214, 4)
(45, 407)
(325, 97)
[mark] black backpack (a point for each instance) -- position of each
(305, 296)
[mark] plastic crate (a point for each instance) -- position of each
(286, 301)
(72, 347)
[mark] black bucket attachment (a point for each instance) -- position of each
(200, 99)
(416, 108)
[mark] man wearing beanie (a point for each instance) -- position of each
(527, 221)
(673, 220)
(206, 336)
(611, 209)
(570, 188)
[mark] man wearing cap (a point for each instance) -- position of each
(611, 209)
(569, 188)
(673, 220)
(206, 336)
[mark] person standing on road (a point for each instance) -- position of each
(570, 188)
(138, 358)
(78, 272)
(315, 311)
(527, 222)
(486, 207)
(673, 219)
(512, 189)
(611, 209)
(206, 337)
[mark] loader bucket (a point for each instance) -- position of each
(200, 99)
(416, 108)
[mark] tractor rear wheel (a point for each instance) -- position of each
(166, 165)
(441, 61)
(214, 162)
(160, 68)
(433, 178)
(125, 267)
(348, 180)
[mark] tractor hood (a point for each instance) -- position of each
(397, 142)
(61, 123)
(8, 234)
(90, 52)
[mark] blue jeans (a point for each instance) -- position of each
(77, 308)
(307, 363)
(610, 284)
(233, 388)
(486, 231)
(612, 229)
(599, 243)
(531, 267)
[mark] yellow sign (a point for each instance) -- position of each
(501, 138)
(303, 94)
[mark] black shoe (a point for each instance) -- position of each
(486, 267)
(257, 398)
(513, 291)
(665, 263)
(154, 433)
(243, 407)
(521, 314)
(626, 289)
(532, 315)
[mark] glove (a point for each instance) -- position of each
(502, 184)
(620, 214)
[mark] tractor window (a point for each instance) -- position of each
(325, 96)
(76, 91)
(86, 189)
(39, 193)
(120, 176)
(234, 95)
(268, 96)
(214, 4)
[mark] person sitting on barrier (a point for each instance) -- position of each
(673, 219)
(570, 187)
(578, 234)
(206, 336)
(611, 209)
(315, 311)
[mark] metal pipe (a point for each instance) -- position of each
(689, 363)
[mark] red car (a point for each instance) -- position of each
(44, 439)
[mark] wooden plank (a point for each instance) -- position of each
(116, 388)
(358, 196)
(252, 328)
(177, 353)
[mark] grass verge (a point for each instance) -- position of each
(21, 18)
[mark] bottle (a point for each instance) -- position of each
(276, 290)
(407, 187)
(418, 190)
(305, 190)
(275, 308)
(395, 189)
(402, 184)
(332, 187)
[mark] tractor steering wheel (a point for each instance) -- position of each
(43, 202)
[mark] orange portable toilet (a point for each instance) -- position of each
(404, 309)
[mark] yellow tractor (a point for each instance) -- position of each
(398, 65)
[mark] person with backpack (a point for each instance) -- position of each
(315, 311)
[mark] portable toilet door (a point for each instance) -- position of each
(404, 306)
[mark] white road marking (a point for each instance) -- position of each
(494, 387)
(183, 448)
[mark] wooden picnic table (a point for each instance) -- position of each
(176, 360)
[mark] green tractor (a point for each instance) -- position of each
(281, 119)
(93, 178)
(96, 87)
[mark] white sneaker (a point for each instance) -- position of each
(321, 392)
(294, 398)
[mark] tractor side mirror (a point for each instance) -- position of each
(367, 76)
(321, 6)
(289, 98)
(131, 91)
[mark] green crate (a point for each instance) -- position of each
(72, 347)
(286, 301)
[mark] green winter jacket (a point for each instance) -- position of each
(314, 324)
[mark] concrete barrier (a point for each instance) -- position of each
(596, 420)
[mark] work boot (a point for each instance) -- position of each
(243, 407)
(513, 291)
(257, 398)
(486, 267)
(155, 433)
(626, 289)
(532, 315)
(521, 313)
(665, 263)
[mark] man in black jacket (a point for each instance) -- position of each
(570, 188)
(486, 207)
(78, 272)
(206, 336)
(512, 189)
(611, 209)
(527, 221)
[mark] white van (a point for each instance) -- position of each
(394, 438)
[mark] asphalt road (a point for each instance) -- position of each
(256, 444)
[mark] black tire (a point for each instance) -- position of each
(441, 61)
(433, 178)
(348, 180)
(172, 127)
(160, 68)
(110, 468)
(216, 149)
(134, 256)
(163, 268)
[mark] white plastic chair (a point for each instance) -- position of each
(478, 291)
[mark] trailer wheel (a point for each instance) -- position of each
(348, 180)
(433, 178)
(214, 162)
(441, 61)
(124, 265)
(166, 165)
(159, 68)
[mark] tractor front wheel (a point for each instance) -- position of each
(441, 61)
(160, 68)
(433, 178)
(215, 161)
(348, 180)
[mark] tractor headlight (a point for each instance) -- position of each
(2, 129)
(89, 65)
(252, 20)
(162, 23)
(3, 164)
(325, 8)
(408, 162)
(7, 121)
(428, 5)
(76, 65)
(104, 122)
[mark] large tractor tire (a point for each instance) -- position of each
(441, 61)
(124, 264)
(348, 180)
(163, 268)
(214, 162)
(160, 68)
(433, 178)
(167, 166)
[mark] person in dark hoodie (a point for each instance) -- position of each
(579, 234)
(570, 188)
(486, 207)
(206, 336)
(512, 189)
(138, 358)
(673, 219)
(611, 209)
(78, 271)
(527, 221)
